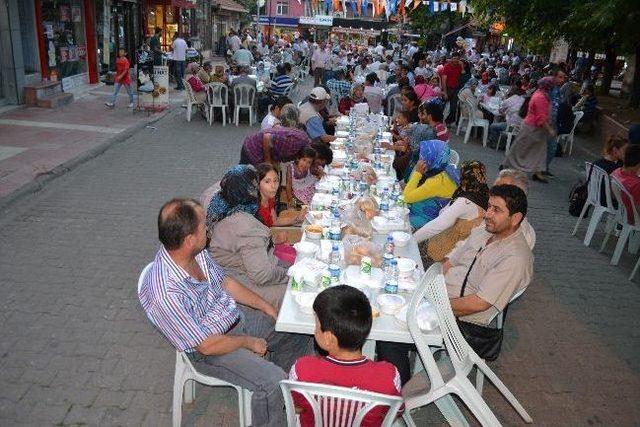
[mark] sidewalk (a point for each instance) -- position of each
(37, 144)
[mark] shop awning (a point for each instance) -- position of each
(185, 4)
(364, 24)
(229, 5)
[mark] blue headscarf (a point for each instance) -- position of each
(435, 154)
(238, 193)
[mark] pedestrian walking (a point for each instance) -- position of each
(123, 78)
(179, 55)
(529, 151)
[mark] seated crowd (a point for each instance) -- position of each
(220, 275)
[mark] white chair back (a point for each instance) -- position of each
(447, 109)
(338, 406)
(143, 274)
(624, 200)
(374, 99)
(244, 95)
(454, 158)
(394, 103)
(191, 97)
(217, 94)
(599, 179)
(459, 351)
(578, 115)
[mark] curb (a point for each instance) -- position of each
(41, 181)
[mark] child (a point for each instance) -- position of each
(402, 126)
(343, 321)
(273, 118)
(435, 117)
(268, 184)
(301, 183)
(123, 78)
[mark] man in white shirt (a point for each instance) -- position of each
(234, 41)
(179, 55)
(319, 61)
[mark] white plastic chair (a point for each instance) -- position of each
(243, 97)
(374, 99)
(217, 97)
(635, 270)
(447, 109)
(621, 195)
(598, 179)
(186, 376)
(191, 99)
(567, 138)
(337, 406)
(392, 103)
(461, 356)
(510, 132)
(454, 158)
(469, 114)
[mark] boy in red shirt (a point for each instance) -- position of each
(343, 322)
(123, 78)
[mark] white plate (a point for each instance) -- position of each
(352, 276)
(390, 303)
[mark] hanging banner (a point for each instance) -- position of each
(435, 6)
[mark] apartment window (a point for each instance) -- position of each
(282, 8)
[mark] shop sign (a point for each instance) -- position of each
(71, 82)
(326, 20)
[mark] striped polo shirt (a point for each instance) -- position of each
(280, 84)
(185, 310)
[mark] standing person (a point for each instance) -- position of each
(319, 60)
(449, 79)
(156, 46)
(559, 78)
(529, 151)
(123, 78)
(179, 47)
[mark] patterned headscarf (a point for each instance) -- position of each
(436, 154)
(546, 83)
(473, 183)
(238, 193)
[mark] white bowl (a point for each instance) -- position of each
(390, 303)
(305, 301)
(400, 238)
(313, 235)
(379, 222)
(406, 267)
(305, 250)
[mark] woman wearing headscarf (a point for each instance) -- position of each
(464, 212)
(427, 91)
(529, 151)
(470, 94)
(432, 183)
(239, 242)
(356, 97)
(194, 81)
(278, 144)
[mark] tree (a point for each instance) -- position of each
(588, 25)
(434, 25)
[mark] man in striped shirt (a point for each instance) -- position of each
(187, 296)
(280, 83)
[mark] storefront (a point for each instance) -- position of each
(67, 43)
(317, 27)
(171, 16)
(119, 27)
(227, 16)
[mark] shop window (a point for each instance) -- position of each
(26, 11)
(64, 37)
(282, 8)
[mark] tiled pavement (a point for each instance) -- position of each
(75, 347)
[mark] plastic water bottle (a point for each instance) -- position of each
(388, 255)
(334, 263)
(389, 246)
(384, 202)
(363, 186)
(391, 278)
(334, 228)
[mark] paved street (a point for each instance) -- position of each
(76, 348)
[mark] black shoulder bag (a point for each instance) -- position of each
(486, 342)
